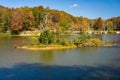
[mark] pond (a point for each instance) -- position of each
(88, 63)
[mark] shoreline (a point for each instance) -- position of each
(31, 33)
(58, 47)
(46, 48)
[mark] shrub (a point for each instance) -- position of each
(92, 42)
(46, 37)
(84, 37)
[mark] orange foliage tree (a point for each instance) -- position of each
(99, 24)
(17, 21)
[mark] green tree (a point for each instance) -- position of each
(109, 25)
(28, 21)
(46, 37)
(5, 18)
(64, 21)
(38, 13)
(117, 23)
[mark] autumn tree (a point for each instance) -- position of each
(109, 25)
(17, 22)
(28, 19)
(55, 17)
(5, 18)
(117, 23)
(99, 24)
(78, 23)
(1, 19)
(38, 13)
(65, 21)
(84, 27)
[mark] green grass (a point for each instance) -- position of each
(5, 34)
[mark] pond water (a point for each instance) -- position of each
(89, 63)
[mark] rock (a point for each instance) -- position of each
(88, 44)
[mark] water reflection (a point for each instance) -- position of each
(111, 38)
(93, 63)
(47, 57)
(23, 71)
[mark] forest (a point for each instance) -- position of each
(16, 20)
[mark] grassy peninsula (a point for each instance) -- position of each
(50, 40)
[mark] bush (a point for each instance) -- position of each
(87, 40)
(46, 37)
(92, 42)
(65, 42)
(84, 37)
(31, 40)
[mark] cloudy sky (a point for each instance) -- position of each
(87, 8)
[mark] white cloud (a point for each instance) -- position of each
(74, 5)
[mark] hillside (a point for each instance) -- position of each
(17, 20)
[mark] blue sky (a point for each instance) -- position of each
(87, 8)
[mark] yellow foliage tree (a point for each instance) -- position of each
(84, 27)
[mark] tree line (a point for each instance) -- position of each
(16, 20)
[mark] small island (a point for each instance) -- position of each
(50, 40)
(46, 48)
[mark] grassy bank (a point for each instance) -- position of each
(92, 42)
(5, 34)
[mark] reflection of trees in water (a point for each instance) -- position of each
(47, 57)
(18, 41)
(89, 50)
(44, 57)
(23, 40)
(111, 38)
(14, 40)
